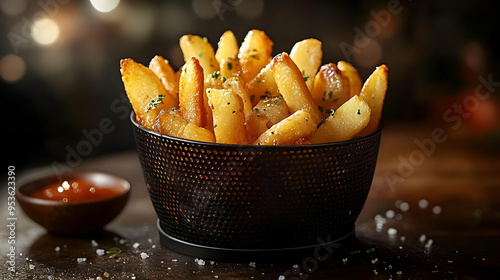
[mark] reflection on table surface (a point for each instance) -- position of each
(433, 212)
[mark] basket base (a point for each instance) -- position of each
(320, 250)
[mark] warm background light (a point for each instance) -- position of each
(45, 31)
(105, 6)
(12, 68)
(13, 7)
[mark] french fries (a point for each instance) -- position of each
(344, 123)
(242, 95)
(229, 117)
(191, 92)
(373, 93)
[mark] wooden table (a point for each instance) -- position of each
(437, 219)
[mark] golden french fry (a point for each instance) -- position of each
(300, 124)
(351, 73)
(373, 93)
(191, 90)
(254, 53)
(145, 91)
(230, 67)
(227, 46)
(264, 115)
(194, 45)
(307, 55)
(292, 86)
(228, 116)
(166, 74)
(170, 122)
(237, 85)
(345, 123)
(331, 89)
(263, 85)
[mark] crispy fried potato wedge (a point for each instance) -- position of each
(264, 115)
(170, 122)
(145, 91)
(228, 116)
(292, 86)
(191, 91)
(166, 74)
(345, 123)
(194, 45)
(230, 67)
(307, 55)
(227, 47)
(263, 85)
(237, 85)
(254, 53)
(331, 89)
(300, 124)
(373, 93)
(352, 75)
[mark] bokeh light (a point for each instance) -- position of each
(204, 9)
(105, 6)
(250, 9)
(12, 68)
(13, 7)
(45, 31)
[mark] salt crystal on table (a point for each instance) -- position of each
(80, 260)
(252, 264)
(423, 203)
(144, 256)
(429, 243)
(281, 277)
(100, 252)
(136, 245)
(436, 210)
(392, 231)
(404, 206)
(200, 261)
(390, 214)
(57, 249)
(94, 243)
(422, 238)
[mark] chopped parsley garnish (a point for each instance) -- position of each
(155, 102)
(330, 111)
(229, 66)
(274, 100)
(329, 94)
(306, 77)
(215, 75)
(358, 112)
(205, 39)
(113, 251)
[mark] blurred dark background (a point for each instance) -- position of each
(60, 78)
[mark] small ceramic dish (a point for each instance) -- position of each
(74, 217)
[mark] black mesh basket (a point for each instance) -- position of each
(231, 202)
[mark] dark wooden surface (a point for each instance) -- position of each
(457, 177)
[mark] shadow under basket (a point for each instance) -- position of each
(239, 203)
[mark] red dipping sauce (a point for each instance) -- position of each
(73, 191)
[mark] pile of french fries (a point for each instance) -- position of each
(240, 94)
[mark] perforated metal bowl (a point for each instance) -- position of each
(231, 202)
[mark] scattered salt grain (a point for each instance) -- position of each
(100, 252)
(94, 243)
(136, 245)
(295, 266)
(423, 203)
(374, 261)
(404, 206)
(403, 238)
(399, 272)
(436, 210)
(212, 262)
(422, 238)
(57, 249)
(174, 260)
(199, 261)
(81, 260)
(252, 264)
(429, 243)
(390, 214)
(144, 256)
(392, 231)
(281, 277)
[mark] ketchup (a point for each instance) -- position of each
(73, 191)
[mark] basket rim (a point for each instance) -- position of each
(221, 145)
